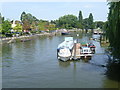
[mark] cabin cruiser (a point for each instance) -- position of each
(64, 49)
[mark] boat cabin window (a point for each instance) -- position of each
(86, 50)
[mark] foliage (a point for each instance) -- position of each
(113, 30)
(90, 21)
(86, 23)
(42, 24)
(80, 20)
(6, 26)
(99, 24)
(18, 28)
(29, 21)
(67, 21)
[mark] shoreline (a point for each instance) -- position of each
(24, 38)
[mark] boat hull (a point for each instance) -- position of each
(64, 58)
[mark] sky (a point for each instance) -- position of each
(54, 10)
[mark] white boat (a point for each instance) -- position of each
(64, 49)
(64, 54)
(86, 50)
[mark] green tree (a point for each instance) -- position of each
(1, 22)
(29, 21)
(90, 21)
(18, 28)
(23, 16)
(67, 21)
(113, 33)
(80, 19)
(99, 24)
(42, 25)
(86, 23)
(6, 26)
(113, 30)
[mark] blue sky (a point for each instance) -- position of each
(53, 10)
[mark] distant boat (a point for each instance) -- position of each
(64, 32)
(64, 49)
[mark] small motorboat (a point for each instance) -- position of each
(64, 32)
(64, 49)
(64, 54)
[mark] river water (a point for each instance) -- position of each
(34, 64)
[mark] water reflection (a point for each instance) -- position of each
(68, 63)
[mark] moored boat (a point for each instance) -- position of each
(64, 54)
(64, 32)
(64, 49)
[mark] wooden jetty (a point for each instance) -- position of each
(78, 52)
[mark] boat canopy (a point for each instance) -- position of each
(68, 43)
(68, 38)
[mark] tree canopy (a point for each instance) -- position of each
(67, 21)
(99, 24)
(113, 29)
(28, 20)
(80, 20)
(90, 21)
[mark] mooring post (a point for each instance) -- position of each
(75, 50)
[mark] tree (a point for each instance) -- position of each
(23, 16)
(80, 19)
(6, 26)
(67, 21)
(29, 21)
(99, 24)
(42, 25)
(90, 21)
(86, 23)
(0, 23)
(18, 28)
(113, 30)
(26, 25)
(113, 33)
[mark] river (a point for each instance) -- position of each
(34, 64)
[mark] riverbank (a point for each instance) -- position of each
(26, 37)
